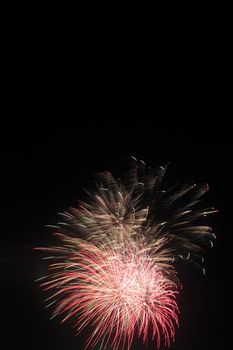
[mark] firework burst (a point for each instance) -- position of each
(114, 267)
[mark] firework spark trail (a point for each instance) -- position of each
(113, 269)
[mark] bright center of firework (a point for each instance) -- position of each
(134, 284)
(135, 288)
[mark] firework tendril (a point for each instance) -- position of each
(114, 267)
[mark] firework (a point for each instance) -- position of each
(113, 269)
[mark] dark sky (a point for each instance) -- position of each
(43, 172)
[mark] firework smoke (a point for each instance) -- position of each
(114, 267)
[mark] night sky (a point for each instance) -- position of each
(45, 172)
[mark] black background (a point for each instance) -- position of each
(45, 171)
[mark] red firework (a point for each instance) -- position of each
(118, 292)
